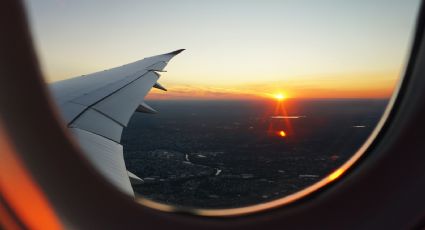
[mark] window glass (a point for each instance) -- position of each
(268, 98)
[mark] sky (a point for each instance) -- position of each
(234, 48)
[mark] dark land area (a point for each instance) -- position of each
(223, 154)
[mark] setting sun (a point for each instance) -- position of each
(280, 96)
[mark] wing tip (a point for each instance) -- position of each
(177, 51)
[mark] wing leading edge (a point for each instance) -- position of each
(96, 108)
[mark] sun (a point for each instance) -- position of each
(280, 96)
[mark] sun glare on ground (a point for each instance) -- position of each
(281, 133)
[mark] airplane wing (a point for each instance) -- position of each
(96, 107)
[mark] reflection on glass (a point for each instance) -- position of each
(269, 98)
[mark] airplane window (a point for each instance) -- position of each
(270, 101)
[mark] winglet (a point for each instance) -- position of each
(145, 108)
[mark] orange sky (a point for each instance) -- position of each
(356, 86)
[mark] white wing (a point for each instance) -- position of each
(96, 108)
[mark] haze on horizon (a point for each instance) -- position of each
(239, 49)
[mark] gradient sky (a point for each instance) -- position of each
(235, 48)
